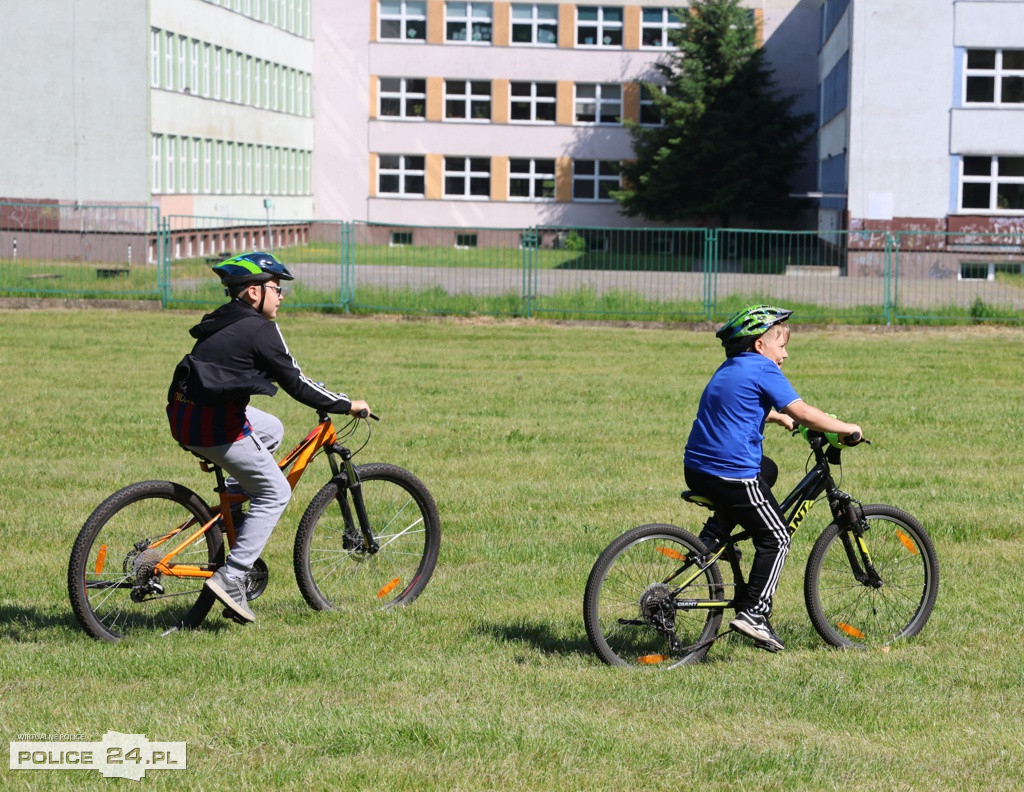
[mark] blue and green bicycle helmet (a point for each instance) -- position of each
(751, 322)
(251, 268)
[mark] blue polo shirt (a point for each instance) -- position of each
(726, 437)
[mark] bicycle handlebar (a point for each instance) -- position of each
(832, 438)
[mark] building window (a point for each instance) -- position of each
(598, 103)
(992, 184)
(593, 180)
(465, 241)
(401, 238)
(467, 177)
(403, 97)
(169, 61)
(533, 102)
(468, 22)
(158, 156)
(535, 23)
(531, 179)
(403, 19)
(154, 58)
(400, 174)
(656, 26)
(599, 26)
(649, 115)
(994, 77)
(468, 100)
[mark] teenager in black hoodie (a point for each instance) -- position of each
(239, 351)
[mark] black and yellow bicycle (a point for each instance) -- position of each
(656, 597)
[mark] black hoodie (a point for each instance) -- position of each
(238, 353)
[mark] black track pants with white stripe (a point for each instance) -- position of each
(750, 503)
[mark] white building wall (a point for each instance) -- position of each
(74, 120)
(900, 91)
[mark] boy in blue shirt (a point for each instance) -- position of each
(724, 460)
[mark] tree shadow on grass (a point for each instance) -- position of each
(24, 624)
(538, 635)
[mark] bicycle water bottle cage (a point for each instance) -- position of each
(700, 500)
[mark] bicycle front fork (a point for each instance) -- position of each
(850, 518)
(352, 486)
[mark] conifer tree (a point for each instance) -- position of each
(729, 144)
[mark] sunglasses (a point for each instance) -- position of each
(278, 289)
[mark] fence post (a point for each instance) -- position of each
(710, 270)
(887, 284)
(529, 241)
(345, 263)
(163, 259)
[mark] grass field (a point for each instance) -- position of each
(541, 443)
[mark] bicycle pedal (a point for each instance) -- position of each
(766, 646)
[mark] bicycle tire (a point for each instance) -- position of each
(333, 568)
(624, 579)
(849, 614)
(110, 559)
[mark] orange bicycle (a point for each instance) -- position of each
(370, 537)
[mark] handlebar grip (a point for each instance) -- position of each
(853, 439)
(364, 414)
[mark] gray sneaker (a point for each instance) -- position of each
(231, 592)
(757, 627)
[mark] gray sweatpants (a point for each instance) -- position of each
(252, 467)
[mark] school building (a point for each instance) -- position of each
(490, 114)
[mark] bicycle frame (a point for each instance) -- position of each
(298, 459)
(795, 508)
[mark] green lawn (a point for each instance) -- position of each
(541, 443)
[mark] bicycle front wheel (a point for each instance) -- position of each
(850, 613)
(647, 603)
(334, 566)
(114, 588)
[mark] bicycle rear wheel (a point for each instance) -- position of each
(632, 610)
(115, 591)
(333, 565)
(848, 613)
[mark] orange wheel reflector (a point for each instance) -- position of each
(101, 559)
(388, 588)
(652, 659)
(668, 551)
(907, 542)
(850, 630)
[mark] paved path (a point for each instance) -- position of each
(817, 287)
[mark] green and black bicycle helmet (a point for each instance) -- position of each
(752, 321)
(251, 268)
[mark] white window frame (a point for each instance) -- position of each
(154, 58)
(170, 161)
(997, 74)
(600, 177)
(601, 28)
(183, 71)
(534, 178)
(993, 180)
(603, 101)
(218, 77)
(461, 169)
(647, 101)
(535, 23)
(404, 170)
(475, 19)
(184, 164)
(158, 164)
(535, 102)
(411, 18)
(666, 23)
(464, 95)
(204, 72)
(405, 97)
(207, 166)
(169, 41)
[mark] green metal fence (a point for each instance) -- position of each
(662, 274)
